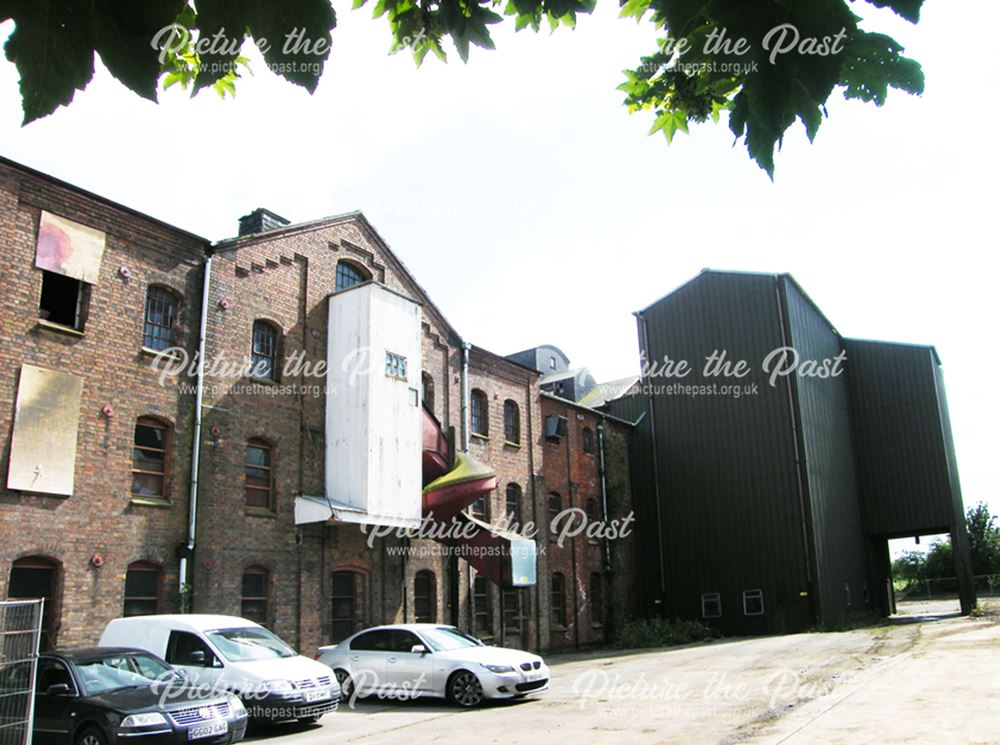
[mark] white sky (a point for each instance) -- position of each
(534, 209)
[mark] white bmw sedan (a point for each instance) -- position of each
(428, 659)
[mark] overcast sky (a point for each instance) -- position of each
(534, 208)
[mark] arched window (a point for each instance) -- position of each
(160, 318)
(596, 599)
(514, 504)
(588, 440)
(255, 594)
(427, 389)
(142, 589)
(480, 413)
(259, 483)
(151, 458)
(511, 422)
(557, 600)
(554, 508)
(264, 354)
(424, 597)
(349, 274)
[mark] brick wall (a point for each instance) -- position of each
(100, 517)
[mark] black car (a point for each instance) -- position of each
(106, 695)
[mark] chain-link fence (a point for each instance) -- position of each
(20, 631)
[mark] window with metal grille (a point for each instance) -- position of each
(424, 597)
(588, 440)
(596, 599)
(142, 589)
(753, 602)
(557, 599)
(554, 508)
(346, 605)
(513, 505)
(480, 413)
(482, 607)
(258, 485)
(427, 390)
(265, 351)
(711, 605)
(349, 275)
(255, 594)
(150, 458)
(160, 319)
(511, 422)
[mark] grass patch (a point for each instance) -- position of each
(662, 632)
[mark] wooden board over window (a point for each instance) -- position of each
(43, 447)
(69, 248)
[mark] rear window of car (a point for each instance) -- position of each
(372, 641)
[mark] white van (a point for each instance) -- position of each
(226, 653)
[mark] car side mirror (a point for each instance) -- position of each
(57, 689)
(419, 649)
(197, 657)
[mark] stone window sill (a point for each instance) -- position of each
(58, 328)
(151, 502)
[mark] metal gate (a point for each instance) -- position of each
(20, 632)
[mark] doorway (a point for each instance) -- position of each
(38, 577)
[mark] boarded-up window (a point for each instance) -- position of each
(69, 248)
(142, 589)
(43, 447)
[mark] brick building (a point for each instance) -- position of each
(99, 391)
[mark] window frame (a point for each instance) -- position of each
(710, 597)
(258, 357)
(82, 303)
(513, 493)
(153, 422)
(553, 495)
(260, 444)
(751, 595)
(256, 570)
(170, 301)
(587, 436)
(430, 598)
(479, 413)
(557, 591)
(147, 567)
(511, 422)
(482, 607)
(427, 389)
(596, 599)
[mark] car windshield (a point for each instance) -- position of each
(249, 644)
(114, 672)
(447, 638)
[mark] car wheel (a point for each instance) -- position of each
(465, 689)
(346, 684)
(92, 736)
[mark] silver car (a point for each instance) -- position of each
(428, 659)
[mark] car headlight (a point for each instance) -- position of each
(144, 720)
(277, 686)
(499, 668)
(236, 706)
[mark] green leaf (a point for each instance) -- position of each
(53, 52)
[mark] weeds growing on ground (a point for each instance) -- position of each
(662, 632)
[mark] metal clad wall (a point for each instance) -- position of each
(904, 473)
(828, 454)
(727, 467)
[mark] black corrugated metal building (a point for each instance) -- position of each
(765, 495)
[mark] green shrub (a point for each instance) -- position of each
(661, 632)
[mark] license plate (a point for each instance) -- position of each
(317, 695)
(531, 677)
(207, 730)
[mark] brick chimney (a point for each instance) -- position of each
(260, 220)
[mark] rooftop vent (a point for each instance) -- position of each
(260, 220)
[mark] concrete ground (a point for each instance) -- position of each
(931, 676)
